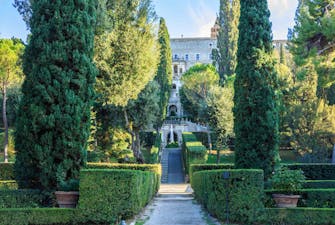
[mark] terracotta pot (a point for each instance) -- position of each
(67, 199)
(286, 201)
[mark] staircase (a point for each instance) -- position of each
(165, 165)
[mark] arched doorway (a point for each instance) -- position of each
(175, 69)
(173, 110)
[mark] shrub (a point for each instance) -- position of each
(8, 185)
(315, 171)
(319, 184)
(111, 195)
(154, 152)
(38, 216)
(299, 216)
(244, 188)
(287, 180)
(200, 167)
(22, 198)
(193, 151)
(155, 168)
(6, 171)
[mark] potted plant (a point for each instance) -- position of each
(288, 182)
(68, 194)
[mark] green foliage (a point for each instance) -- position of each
(141, 113)
(194, 152)
(172, 145)
(69, 185)
(21, 198)
(6, 171)
(287, 180)
(197, 82)
(54, 116)
(118, 194)
(126, 55)
(8, 185)
(255, 101)
(317, 198)
(220, 108)
(299, 216)
(225, 56)
(155, 168)
(244, 194)
(164, 70)
(200, 167)
(39, 216)
(225, 157)
(315, 171)
(319, 184)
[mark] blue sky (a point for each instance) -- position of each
(190, 18)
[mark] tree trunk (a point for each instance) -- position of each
(137, 149)
(135, 139)
(209, 139)
(4, 117)
(217, 156)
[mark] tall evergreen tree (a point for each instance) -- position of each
(54, 115)
(255, 110)
(164, 71)
(126, 55)
(225, 56)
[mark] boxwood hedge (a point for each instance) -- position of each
(200, 167)
(315, 171)
(242, 191)
(111, 195)
(6, 171)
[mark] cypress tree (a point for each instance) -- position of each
(164, 71)
(255, 110)
(225, 55)
(54, 114)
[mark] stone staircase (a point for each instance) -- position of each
(165, 166)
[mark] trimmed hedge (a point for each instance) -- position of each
(319, 184)
(112, 195)
(8, 185)
(244, 188)
(38, 216)
(7, 171)
(299, 216)
(315, 171)
(22, 198)
(315, 198)
(200, 167)
(155, 168)
(194, 152)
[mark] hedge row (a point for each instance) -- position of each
(39, 216)
(299, 216)
(6, 171)
(111, 195)
(194, 152)
(319, 184)
(200, 167)
(315, 198)
(155, 168)
(21, 198)
(8, 185)
(242, 192)
(315, 171)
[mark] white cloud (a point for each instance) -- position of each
(203, 18)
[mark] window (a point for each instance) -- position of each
(175, 56)
(181, 70)
(186, 57)
(175, 69)
(197, 57)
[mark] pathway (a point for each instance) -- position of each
(174, 203)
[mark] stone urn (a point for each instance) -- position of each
(67, 199)
(286, 201)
